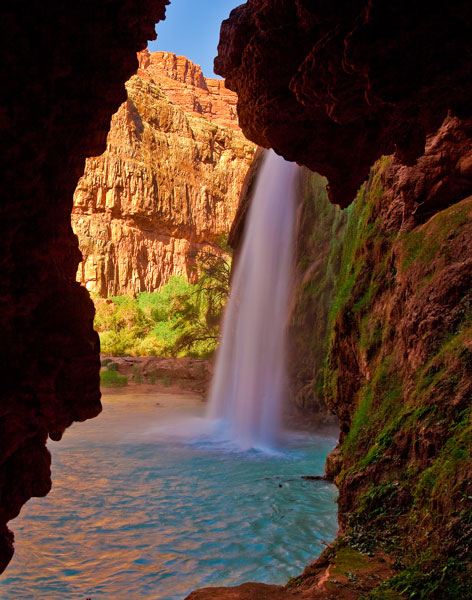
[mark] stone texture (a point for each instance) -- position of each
(168, 184)
(170, 373)
(401, 331)
(403, 335)
(184, 84)
(336, 85)
(63, 69)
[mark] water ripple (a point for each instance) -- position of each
(138, 513)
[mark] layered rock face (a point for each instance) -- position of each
(64, 66)
(168, 184)
(336, 85)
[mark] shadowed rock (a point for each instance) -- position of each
(63, 71)
(334, 86)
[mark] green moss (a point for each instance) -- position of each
(442, 478)
(426, 244)
(358, 282)
(360, 420)
(379, 409)
(318, 261)
(383, 595)
(349, 560)
(138, 378)
(378, 498)
(413, 244)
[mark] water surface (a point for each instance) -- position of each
(139, 511)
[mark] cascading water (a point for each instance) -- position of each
(249, 381)
(188, 499)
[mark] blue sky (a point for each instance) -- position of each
(192, 28)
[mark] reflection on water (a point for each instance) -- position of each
(135, 513)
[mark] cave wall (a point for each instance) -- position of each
(318, 253)
(63, 69)
(398, 376)
(336, 87)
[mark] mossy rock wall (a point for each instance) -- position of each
(318, 256)
(398, 376)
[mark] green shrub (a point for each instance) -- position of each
(138, 378)
(182, 319)
(112, 379)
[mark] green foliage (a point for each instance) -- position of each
(364, 269)
(199, 316)
(423, 245)
(112, 379)
(360, 420)
(429, 579)
(442, 477)
(138, 378)
(182, 319)
(407, 455)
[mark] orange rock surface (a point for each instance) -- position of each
(168, 184)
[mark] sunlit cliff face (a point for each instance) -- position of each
(168, 185)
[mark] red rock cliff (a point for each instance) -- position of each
(169, 182)
(55, 109)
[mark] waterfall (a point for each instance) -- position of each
(249, 381)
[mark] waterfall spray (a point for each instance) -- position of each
(250, 380)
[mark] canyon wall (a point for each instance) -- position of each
(168, 184)
(63, 70)
(338, 86)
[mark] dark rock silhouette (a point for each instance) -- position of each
(63, 71)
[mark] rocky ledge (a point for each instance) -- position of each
(169, 373)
